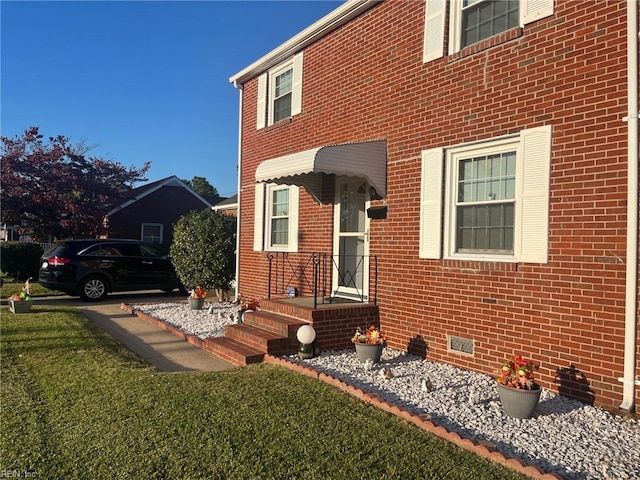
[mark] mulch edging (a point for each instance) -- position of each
(482, 449)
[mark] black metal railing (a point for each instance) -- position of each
(305, 273)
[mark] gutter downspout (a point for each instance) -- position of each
(238, 217)
(629, 381)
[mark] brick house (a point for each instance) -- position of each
(153, 209)
(471, 183)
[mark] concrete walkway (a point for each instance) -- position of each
(152, 344)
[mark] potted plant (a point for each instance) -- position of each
(518, 392)
(246, 306)
(369, 344)
(21, 302)
(196, 298)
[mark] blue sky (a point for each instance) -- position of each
(141, 81)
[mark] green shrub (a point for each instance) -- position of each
(203, 249)
(20, 260)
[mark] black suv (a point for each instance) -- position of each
(94, 267)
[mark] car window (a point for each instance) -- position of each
(103, 251)
(56, 250)
(129, 250)
(152, 251)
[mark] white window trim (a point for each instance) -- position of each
(435, 18)
(272, 87)
(266, 91)
(262, 218)
(142, 227)
(452, 161)
(528, 11)
(531, 223)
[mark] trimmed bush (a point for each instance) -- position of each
(203, 250)
(20, 260)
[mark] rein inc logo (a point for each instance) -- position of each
(17, 474)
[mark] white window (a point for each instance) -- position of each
(471, 21)
(280, 92)
(496, 199)
(276, 218)
(485, 18)
(152, 232)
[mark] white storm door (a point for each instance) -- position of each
(351, 240)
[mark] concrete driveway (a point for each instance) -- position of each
(155, 346)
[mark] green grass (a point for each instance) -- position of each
(10, 286)
(76, 404)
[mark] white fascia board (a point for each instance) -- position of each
(324, 26)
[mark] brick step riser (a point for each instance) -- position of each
(232, 356)
(282, 328)
(254, 340)
(292, 311)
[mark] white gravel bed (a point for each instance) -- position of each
(205, 323)
(566, 437)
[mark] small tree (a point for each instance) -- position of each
(203, 250)
(201, 186)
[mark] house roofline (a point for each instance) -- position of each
(327, 24)
(159, 184)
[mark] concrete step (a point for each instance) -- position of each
(234, 352)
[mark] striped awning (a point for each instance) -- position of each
(366, 160)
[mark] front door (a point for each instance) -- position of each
(351, 240)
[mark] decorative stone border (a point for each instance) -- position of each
(484, 449)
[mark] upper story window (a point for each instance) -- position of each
(472, 21)
(496, 199)
(280, 92)
(276, 218)
(485, 18)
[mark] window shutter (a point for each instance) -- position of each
(294, 198)
(258, 219)
(296, 88)
(532, 10)
(262, 101)
(434, 20)
(534, 201)
(431, 204)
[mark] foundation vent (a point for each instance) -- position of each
(461, 345)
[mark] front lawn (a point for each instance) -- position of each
(76, 404)
(10, 286)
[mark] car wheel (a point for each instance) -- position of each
(93, 289)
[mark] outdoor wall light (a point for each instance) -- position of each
(306, 335)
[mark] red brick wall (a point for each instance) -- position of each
(367, 81)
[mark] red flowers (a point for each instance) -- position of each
(517, 373)
(244, 305)
(373, 336)
(198, 292)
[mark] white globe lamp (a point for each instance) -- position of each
(306, 336)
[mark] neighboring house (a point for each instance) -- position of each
(10, 233)
(469, 169)
(228, 206)
(153, 209)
